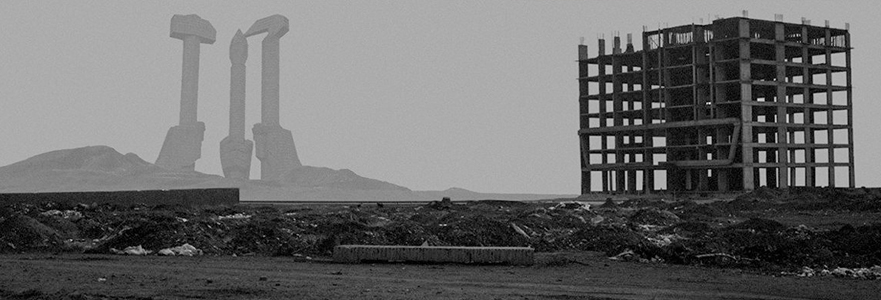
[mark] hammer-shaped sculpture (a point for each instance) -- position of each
(235, 150)
(274, 145)
(183, 143)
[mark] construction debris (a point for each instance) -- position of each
(131, 250)
(738, 233)
(183, 250)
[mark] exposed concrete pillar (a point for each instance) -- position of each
(183, 143)
(703, 180)
(746, 116)
(235, 150)
(629, 43)
(616, 46)
(604, 144)
(189, 91)
(783, 159)
(631, 181)
(274, 144)
(722, 180)
(270, 81)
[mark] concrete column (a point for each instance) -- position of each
(604, 144)
(780, 101)
(189, 91)
(235, 150)
(618, 118)
(808, 97)
(648, 178)
(850, 161)
(238, 54)
(270, 82)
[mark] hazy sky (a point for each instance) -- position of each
(426, 94)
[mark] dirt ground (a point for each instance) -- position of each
(570, 275)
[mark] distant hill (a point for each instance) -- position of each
(308, 176)
(102, 168)
(95, 168)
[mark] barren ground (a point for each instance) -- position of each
(586, 275)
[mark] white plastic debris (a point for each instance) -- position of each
(663, 240)
(627, 255)
(131, 250)
(519, 230)
(858, 273)
(573, 205)
(235, 216)
(185, 250)
(67, 214)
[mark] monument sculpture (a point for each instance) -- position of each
(274, 145)
(183, 143)
(235, 150)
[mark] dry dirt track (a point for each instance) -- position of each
(74, 276)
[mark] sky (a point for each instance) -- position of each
(480, 95)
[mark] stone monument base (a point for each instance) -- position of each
(235, 157)
(182, 147)
(276, 151)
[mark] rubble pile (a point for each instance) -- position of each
(721, 234)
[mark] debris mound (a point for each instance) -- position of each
(764, 230)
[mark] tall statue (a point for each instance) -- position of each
(235, 150)
(183, 143)
(274, 145)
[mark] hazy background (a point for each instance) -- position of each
(426, 94)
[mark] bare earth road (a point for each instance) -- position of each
(585, 276)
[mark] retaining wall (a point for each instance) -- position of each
(217, 196)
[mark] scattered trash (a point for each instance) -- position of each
(627, 255)
(236, 216)
(131, 250)
(663, 240)
(66, 214)
(185, 250)
(520, 231)
(873, 273)
(719, 233)
(573, 205)
(723, 255)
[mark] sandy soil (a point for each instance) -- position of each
(571, 275)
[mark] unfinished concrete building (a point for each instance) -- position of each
(733, 105)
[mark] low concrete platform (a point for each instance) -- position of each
(428, 254)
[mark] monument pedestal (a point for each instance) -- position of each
(182, 147)
(235, 157)
(276, 151)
